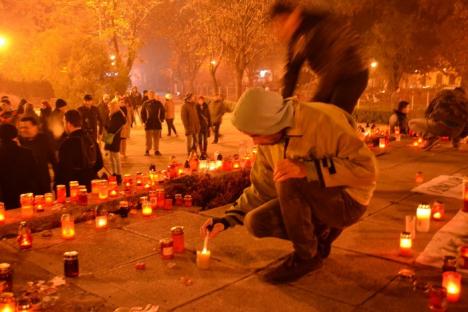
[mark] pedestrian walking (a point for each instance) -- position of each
(170, 114)
(152, 115)
(191, 122)
(205, 124)
(117, 121)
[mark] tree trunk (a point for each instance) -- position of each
(239, 76)
(215, 80)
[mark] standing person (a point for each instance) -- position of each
(7, 114)
(79, 157)
(217, 111)
(331, 48)
(29, 112)
(191, 122)
(399, 118)
(42, 148)
(46, 111)
(18, 174)
(170, 114)
(91, 119)
(117, 121)
(56, 122)
(205, 124)
(152, 115)
(125, 107)
(137, 100)
(308, 182)
(103, 109)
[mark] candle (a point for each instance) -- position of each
(68, 226)
(7, 302)
(2, 213)
(180, 171)
(419, 177)
(146, 208)
(203, 256)
(452, 282)
(450, 264)
(24, 238)
(6, 277)
(423, 215)
(49, 199)
(127, 182)
(438, 298)
(178, 238)
(464, 257)
(219, 164)
(113, 189)
(27, 205)
(103, 189)
(406, 243)
(95, 186)
(179, 200)
(236, 164)
(74, 189)
(82, 196)
(382, 143)
(71, 267)
(168, 204)
(61, 193)
(212, 166)
(410, 225)
(139, 179)
(167, 249)
(101, 218)
(465, 194)
(161, 195)
(39, 203)
(124, 209)
(416, 143)
(438, 210)
(202, 166)
(188, 201)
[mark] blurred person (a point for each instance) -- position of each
(217, 111)
(56, 122)
(205, 124)
(126, 107)
(312, 178)
(7, 115)
(18, 173)
(169, 106)
(191, 122)
(21, 105)
(46, 111)
(91, 119)
(29, 111)
(42, 148)
(136, 99)
(332, 50)
(117, 121)
(152, 116)
(399, 118)
(103, 108)
(79, 156)
(446, 115)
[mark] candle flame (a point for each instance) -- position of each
(437, 215)
(453, 289)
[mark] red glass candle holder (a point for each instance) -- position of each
(168, 204)
(463, 259)
(2, 213)
(27, 205)
(178, 239)
(167, 249)
(179, 200)
(68, 226)
(39, 203)
(61, 194)
(188, 201)
(438, 211)
(83, 196)
(452, 282)
(438, 299)
(406, 244)
(24, 238)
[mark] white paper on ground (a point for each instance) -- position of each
(446, 242)
(444, 185)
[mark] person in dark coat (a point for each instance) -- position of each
(18, 174)
(79, 156)
(7, 114)
(103, 108)
(152, 115)
(331, 48)
(205, 124)
(55, 123)
(399, 118)
(217, 110)
(92, 123)
(191, 122)
(43, 151)
(117, 121)
(46, 111)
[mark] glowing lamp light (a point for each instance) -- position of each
(406, 243)
(49, 199)
(452, 282)
(213, 62)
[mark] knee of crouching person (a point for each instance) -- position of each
(252, 224)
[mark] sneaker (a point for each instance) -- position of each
(147, 153)
(325, 243)
(430, 143)
(291, 269)
(157, 153)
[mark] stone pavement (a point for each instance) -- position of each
(360, 275)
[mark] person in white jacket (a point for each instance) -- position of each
(312, 178)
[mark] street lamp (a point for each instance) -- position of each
(213, 62)
(3, 42)
(374, 64)
(112, 57)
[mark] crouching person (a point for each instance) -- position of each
(312, 178)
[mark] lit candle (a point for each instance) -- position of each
(452, 282)
(438, 210)
(101, 222)
(39, 203)
(103, 190)
(68, 226)
(127, 182)
(27, 205)
(406, 243)
(2, 213)
(113, 189)
(82, 196)
(212, 166)
(219, 164)
(147, 186)
(202, 166)
(7, 302)
(236, 164)
(465, 194)
(203, 256)
(95, 187)
(74, 189)
(146, 208)
(61, 193)
(49, 199)
(423, 215)
(419, 177)
(180, 171)
(464, 257)
(416, 143)
(382, 143)
(24, 238)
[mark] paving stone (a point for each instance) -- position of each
(159, 284)
(350, 277)
(253, 295)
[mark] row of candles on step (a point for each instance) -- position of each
(421, 223)
(168, 248)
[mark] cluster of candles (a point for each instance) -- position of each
(418, 142)
(451, 280)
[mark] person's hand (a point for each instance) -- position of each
(211, 228)
(289, 169)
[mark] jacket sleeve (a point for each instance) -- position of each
(293, 68)
(260, 191)
(144, 114)
(184, 117)
(162, 113)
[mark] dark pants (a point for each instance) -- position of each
(203, 140)
(191, 143)
(300, 209)
(170, 126)
(216, 127)
(345, 93)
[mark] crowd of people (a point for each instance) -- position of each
(58, 145)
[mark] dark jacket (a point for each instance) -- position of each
(71, 162)
(190, 119)
(136, 99)
(18, 174)
(44, 154)
(217, 111)
(103, 109)
(152, 115)
(116, 123)
(91, 120)
(399, 119)
(330, 47)
(204, 116)
(44, 118)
